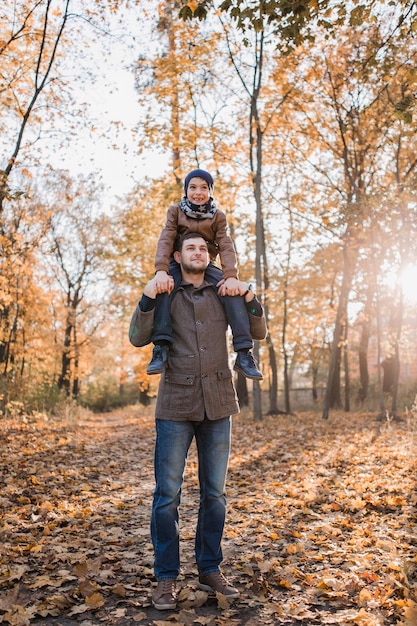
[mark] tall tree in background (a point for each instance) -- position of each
(23, 231)
(401, 96)
(255, 69)
(30, 37)
(33, 98)
(77, 243)
(252, 86)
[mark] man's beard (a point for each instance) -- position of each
(192, 269)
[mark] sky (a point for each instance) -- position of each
(110, 150)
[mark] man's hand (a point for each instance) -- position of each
(163, 282)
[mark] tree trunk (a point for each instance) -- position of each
(64, 377)
(75, 376)
(144, 397)
(332, 395)
(314, 380)
(273, 383)
(167, 24)
(255, 157)
(285, 321)
(242, 390)
(396, 373)
(347, 373)
(363, 347)
(335, 401)
(379, 356)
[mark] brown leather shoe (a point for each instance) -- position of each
(165, 596)
(218, 582)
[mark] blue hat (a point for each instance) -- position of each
(199, 174)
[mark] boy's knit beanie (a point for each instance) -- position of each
(200, 174)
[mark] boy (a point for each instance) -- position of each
(197, 212)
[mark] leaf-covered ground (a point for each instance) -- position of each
(321, 523)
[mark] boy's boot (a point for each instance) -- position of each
(245, 363)
(159, 360)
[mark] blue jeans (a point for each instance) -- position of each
(173, 440)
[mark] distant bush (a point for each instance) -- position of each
(22, 397)
(106, 395)
(45, 398)
(19, 396)
(407, 394)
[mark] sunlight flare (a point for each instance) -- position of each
(408, 283)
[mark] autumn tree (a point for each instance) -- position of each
(401, 195)
(31, 34)
(23, 230)
(76, 244)
(38, 40)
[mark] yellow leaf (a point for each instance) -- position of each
(291, 549)
(365, 596)
(410, 614)
(283, 583)
(95, 601)
(222, 601)
(119, 590)
(37, 548)
(18, 616)
(47, 506)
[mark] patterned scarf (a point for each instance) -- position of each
(198, 211)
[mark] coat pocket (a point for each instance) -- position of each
(181, 389)
(225, 388)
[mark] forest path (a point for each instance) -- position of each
(321, 525)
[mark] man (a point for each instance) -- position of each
(196, 398)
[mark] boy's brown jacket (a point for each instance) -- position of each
(213, 230)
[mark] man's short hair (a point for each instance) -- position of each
(180, 240)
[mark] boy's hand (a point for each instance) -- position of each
(150, 289)
(232, 287)
(163, 282)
